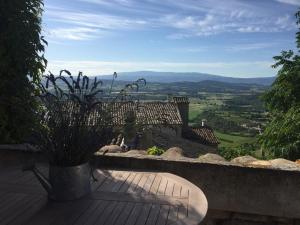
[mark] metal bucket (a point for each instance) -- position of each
(69, 183)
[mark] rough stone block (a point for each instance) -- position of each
(217, 214)
(250, 217)
(243, 222)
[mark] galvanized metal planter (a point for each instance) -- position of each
(66, 183)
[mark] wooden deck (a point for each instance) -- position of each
(118, 198)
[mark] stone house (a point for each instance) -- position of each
(163, 124)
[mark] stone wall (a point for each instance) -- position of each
(237, 194)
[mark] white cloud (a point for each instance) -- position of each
(192, 50)
(74, 33)
(291, 2)
(199, 18)
(102, 21)
(192, 25)
(285, 23)
(249, 47)
(108, 67)
(249, 29)
(234, 16)
(112, 3)
(86, 26)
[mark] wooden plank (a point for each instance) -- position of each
(49, 213)
(100, 179)
(25, 189)
(17, 210)
(153, 215)
(135, 182)
(105, 214)
(148, 183)
(170, 187)
(11, 175)
(29, 211)
(88, 215)
(182, 211)
(176, 190)
(172, 216)
(162, 186)
(116, 213)
(125, 214)
(71, 215)
(140, 185)
(33, 181)
(3, 196)
(109, 182)
(121, 197)
(144, 215)
(15, 199)
(134, 214)
(155, 185)
(120, 182)
(28, 175)
(127, 197)
(184, 192)
(6, 197)
(163, 215)
(128, 182)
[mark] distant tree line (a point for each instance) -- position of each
(218, 122)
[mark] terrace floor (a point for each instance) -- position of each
(118, 197)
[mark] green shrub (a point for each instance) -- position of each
(233, 152)
(155, 151)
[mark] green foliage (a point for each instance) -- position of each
(155, 151)
(282, 134)
(233, 140)
(218, 122)
(21, 63)
(233, 152)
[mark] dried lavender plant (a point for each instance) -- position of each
(78, 120)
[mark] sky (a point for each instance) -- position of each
(236, 38)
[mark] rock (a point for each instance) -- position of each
(136, 152)
(173, 153)
(111, 149)
(284, 164)
(243, 159)
(298, 161)
(209, 157)
(259, 163)
(252, 219)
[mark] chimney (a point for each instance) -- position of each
(183, 107)
(203, 122)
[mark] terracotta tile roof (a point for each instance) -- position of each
(203, 135)
(147, 113)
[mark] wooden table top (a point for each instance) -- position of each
(117, 198)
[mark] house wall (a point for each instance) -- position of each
(160, 136)
(184, 113)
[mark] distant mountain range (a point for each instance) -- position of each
(168, 77)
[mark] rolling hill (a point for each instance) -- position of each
(169, 77)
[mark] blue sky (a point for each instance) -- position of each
(235, 38)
